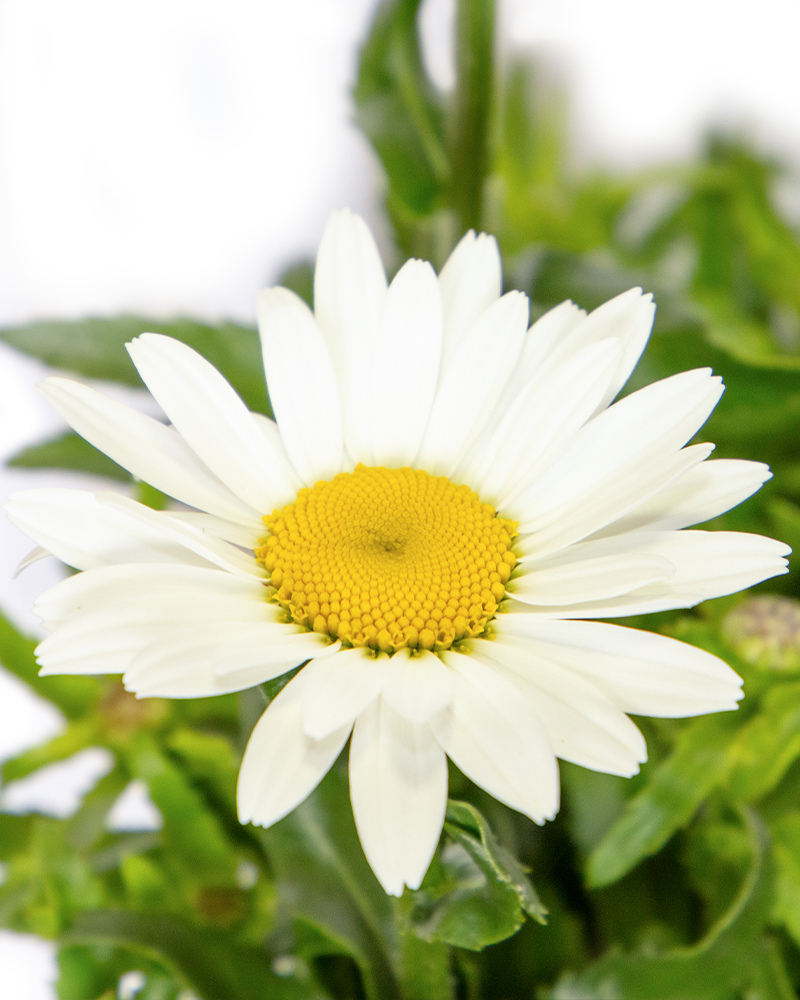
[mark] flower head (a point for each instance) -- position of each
(443, 505)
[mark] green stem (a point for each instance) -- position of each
(424, 966)
(474, 96)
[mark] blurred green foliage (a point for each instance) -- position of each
(680, 884)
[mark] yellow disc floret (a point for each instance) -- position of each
(389, 558)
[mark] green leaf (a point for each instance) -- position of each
(210, 963)
(768, 745)
(78, 736)
(786, 836)
(208, 758)
(399, 110)
(467, 827)
(724, 965)
(699, 763)
(94, 971)
(15, 832)
(74, 695)
(191, 830)
(479, 894)
(69, 452)
(321, 872)
(95, 347)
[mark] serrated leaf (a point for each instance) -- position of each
(465, 824)
(210, 963)
(479, 893)
(95, 347)
(699, 763)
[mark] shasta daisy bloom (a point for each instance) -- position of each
(443, 505)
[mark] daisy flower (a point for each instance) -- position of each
(445, 502)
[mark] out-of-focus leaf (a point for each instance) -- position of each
(399, 110)
(191, 829)
(146, 884)
(321, 872)
(94, 971)
(70, 451)
(479, 894)
(14, 834)
(727, 963)
(786, 838)
(78, 736)
(95, 347)
(700, 762)
(74, 695)
(210, 963)
(785, 516)
(209, 758)
(767, 746)
(300, 279)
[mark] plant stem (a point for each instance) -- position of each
(424, 965)
(474, 96)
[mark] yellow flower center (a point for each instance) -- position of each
(389, 558)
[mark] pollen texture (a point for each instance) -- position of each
(389, 558)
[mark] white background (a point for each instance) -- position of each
(170, 156)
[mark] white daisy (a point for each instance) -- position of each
(445, 501)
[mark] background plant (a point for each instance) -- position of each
(683, 882)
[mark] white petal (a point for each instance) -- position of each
(215, 527)
(82, 531)
(302, 385)
(349, 292)
(706, 564)
(417, 686)
(643, 601)
(495, 737)
(146, 448)
(541, 341)
(35, 555)
(128, 627)
(656, 420)
(543, 416)
(213, 420)
(588, 579)
(215, 657)
(473, 383)
(705, 491)
(281, 764)
(112, 585)
(269, 429)
(582, 723)
(252, 645)
(398, 787)
(405, 366)
(216, 551)
(712, 563)
(338, 688)
(621, 492)
(470, 281)
(629, 317)
(642, 672)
